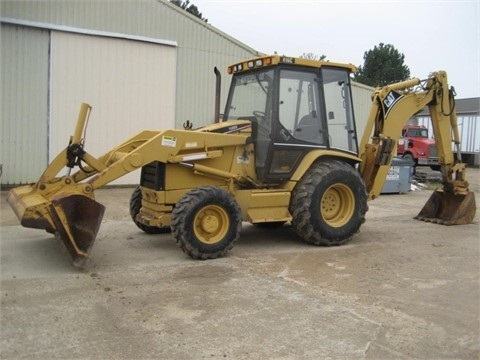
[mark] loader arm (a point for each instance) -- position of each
(65, 205)
(392, 106)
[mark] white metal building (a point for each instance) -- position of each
(468, 119)
(144, 64)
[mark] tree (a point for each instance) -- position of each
(383, 65)
(312, 56)
(190, 8)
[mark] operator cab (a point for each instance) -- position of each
(295, 106)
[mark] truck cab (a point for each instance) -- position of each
(416, 145)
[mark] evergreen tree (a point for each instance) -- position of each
(190, 8)
(382, 65)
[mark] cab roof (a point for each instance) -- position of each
(272, 60)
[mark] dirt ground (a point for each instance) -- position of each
(401, 289)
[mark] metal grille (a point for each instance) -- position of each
(153, 176)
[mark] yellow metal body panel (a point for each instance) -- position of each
(314, 155)
(181, 177)
(264, 205)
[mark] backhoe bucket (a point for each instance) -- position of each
(449, 209)
(75, 219)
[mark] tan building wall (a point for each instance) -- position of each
(140, 64)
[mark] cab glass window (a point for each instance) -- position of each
(338, 104)
(248, 94)
(299, 106)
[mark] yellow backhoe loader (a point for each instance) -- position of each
(286, 151)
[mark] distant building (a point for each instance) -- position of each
(468, 118)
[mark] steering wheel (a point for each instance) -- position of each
(263, 126)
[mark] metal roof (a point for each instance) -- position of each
(470, 105)
(462, 106)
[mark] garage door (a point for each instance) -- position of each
(24, 110)
(130, 85)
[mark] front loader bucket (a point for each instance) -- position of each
(449, 209)
(75, 219)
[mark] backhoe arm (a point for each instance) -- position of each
(392, 106)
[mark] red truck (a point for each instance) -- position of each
(416, 146)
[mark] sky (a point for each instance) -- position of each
(433, 35)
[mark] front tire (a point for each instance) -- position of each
(329, 203)
(206, 222)
(135, 206)
(409, 158)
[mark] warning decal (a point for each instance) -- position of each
(170, 141)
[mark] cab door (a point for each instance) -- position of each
(299, 124)
(313, 111)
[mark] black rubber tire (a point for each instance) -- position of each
(206, 222)
(409, 157)
(135, 206)
(329, 203)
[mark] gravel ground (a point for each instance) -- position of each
(401, 289)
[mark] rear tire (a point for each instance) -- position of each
(206, 222)
(329, 203)
(135, 206)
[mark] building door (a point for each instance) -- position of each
(130, 85)
(24, 103)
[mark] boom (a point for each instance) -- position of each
(392, 106)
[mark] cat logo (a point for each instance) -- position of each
(390, 100)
